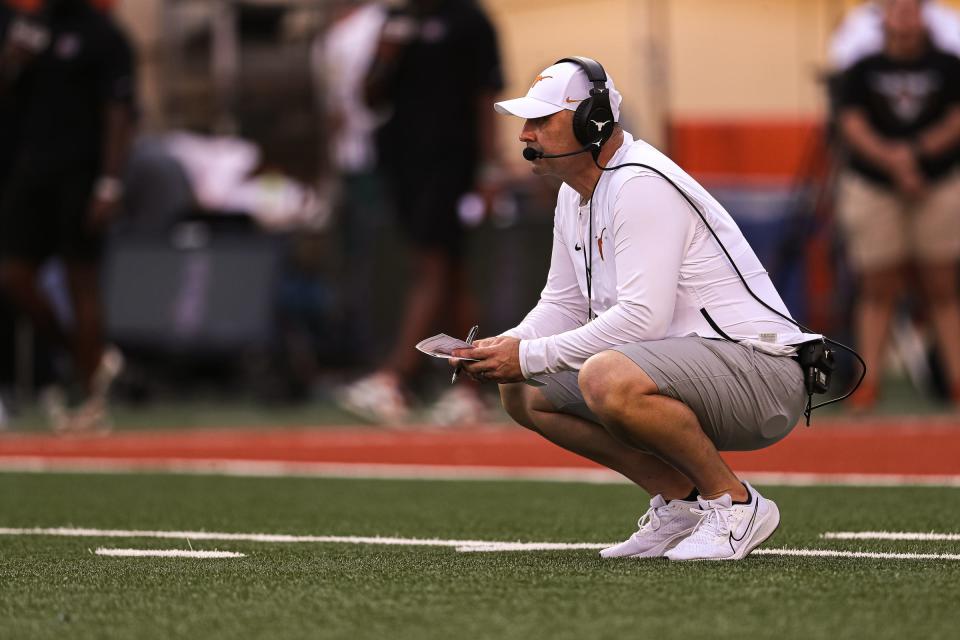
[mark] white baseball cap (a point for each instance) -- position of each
(560, 86)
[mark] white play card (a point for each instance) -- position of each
(442, 346)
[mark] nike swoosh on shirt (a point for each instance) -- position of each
(571, 100)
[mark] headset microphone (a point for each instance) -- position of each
(532, 154)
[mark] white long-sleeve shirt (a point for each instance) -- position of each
(340, 60)
(655, 266)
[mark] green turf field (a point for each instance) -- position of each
(55, 586)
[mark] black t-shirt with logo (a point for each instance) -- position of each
(63, 92)
(901, 99)
(440, 75)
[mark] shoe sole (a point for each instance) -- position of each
(656, 552)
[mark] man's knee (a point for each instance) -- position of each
(516, 402)
(610, 382)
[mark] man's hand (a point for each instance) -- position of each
(498, 360)
(489, 185)
(905, 171)
(104, 203)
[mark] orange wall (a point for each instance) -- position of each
(758, 150)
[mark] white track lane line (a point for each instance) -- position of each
(285, 469)
(166, 553)
(891, 535)
(459, 545)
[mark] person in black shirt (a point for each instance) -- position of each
(69, 71)
(437, 69)
(899, 114)
(9, 126)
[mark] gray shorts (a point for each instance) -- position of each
(743, 398)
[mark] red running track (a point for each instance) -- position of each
(912, 446)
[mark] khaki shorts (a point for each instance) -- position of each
(884, 229)
(743, 398)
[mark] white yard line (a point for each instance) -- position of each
(531, 546)
(458, 545)
(73, 532)
(284, 469)
(891, 535)
(830, 553)
(166, 553)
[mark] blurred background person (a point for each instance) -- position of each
(899, 203)
(340, 60)
(68, 69)
(437, 68)
(861, 33)
(9, 128)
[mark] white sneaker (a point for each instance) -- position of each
(456, 406)
(91, 418)
(661, 528)
(53, 400)
(728, 531)
(376, 398)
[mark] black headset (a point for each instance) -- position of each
(593, 120)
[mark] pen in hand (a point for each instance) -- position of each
(469, 340)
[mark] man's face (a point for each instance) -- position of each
(903, 24)
(551, 134)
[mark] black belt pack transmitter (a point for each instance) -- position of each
(817, 361)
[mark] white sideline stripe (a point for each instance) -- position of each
(531, 546)
(829, 553)
(458, 545)
(890, 535)
(290, 469)
(74, 532)
(166, 553)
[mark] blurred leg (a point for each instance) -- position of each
(18, 278)
(424, 304)
(939, 284)
(876, 227)
(936, 245)
(463, 303)
(879, 290)
(84, 282)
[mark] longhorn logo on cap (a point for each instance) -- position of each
(538, 79)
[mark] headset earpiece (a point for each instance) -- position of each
(593, 120)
